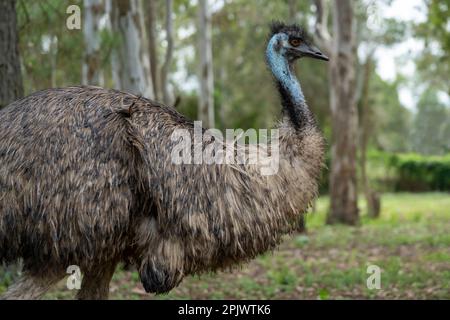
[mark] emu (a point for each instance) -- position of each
(86, 179)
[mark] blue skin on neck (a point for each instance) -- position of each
(279, 65)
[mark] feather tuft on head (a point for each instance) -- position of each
(289, 29)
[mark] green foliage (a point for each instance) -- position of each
(51, 54)
(283, 277)
(408, 171)
(390, 120)
(8, 275)
(419, 173)
(434, 62)
(431, 130)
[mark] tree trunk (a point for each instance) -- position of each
(292, 4)
(131, 66)
(53, 53)
(114, 57)
(11, 86)
(166, 67)
(206, 97)
(92, 72)
(150, 9)
(372, 197)
(344, 117)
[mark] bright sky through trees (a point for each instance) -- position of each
(399, 58)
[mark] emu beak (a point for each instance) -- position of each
(309, 50)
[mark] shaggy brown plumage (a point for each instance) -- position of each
(86, 179)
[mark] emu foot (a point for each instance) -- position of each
(158, 279)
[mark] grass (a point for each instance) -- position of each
(410, 242)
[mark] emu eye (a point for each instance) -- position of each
(294, 42)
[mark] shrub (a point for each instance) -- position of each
(415, 172)
(400, 172)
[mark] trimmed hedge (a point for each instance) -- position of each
(401, 172)
(416, 172)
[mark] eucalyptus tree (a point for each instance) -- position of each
(341, 46)
(94, 11)
(131, 67)
(205, 65)
(11, 86)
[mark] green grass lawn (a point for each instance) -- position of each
(410, 242)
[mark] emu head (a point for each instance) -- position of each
(291, 42)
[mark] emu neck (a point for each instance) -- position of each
(292, 98)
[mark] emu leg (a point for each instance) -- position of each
(30, 287)
(95, 284)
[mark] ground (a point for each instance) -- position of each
(410, 242)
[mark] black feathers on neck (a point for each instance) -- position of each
(299, 114)
(289, 107)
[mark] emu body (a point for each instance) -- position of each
(86, 179)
